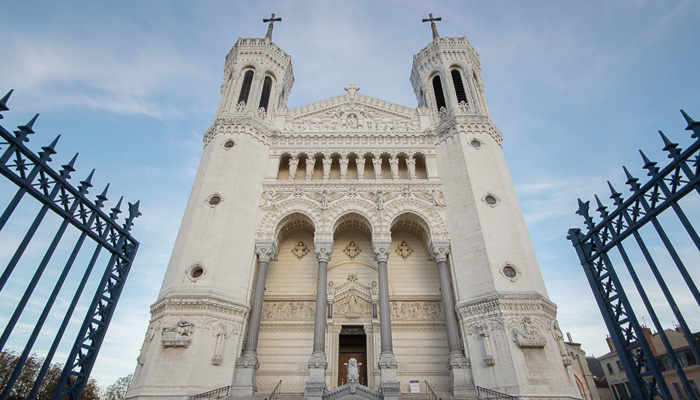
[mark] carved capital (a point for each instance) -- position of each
(265, 250)
(381, 250)
(323, 250)
(439, 249)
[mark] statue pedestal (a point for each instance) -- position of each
(243, 385)
(462, 384)
(316, 385)
(389, 384)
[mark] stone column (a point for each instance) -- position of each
(478, 107)
(377, 161)
(394, 163)
(360, 161)
(389, 383)
(462, 384)
(411, 165)
(318, 363)
(293, 163)
(310, 163)
(344, 161)
(243, 385)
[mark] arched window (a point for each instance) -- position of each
(439, 95)
(245, 88)
(265, 96)
(459, 86)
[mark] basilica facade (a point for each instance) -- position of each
(353, 228)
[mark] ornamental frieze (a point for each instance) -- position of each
(289, 310)
(416, 310)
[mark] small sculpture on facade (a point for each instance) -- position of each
(380, 199)
(178, 335)
(528, 336)
(300, 250)
(404, 250)
(353, 370)
(324, 199)
(352, 251)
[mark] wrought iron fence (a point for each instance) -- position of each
(276, 391)
(431, 393)
(33, 176)
(664, 189)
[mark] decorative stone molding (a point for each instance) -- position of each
(439, 249)
(510, 271)
(472, 125)
(265, 250)
(381, 249)
(153, 328)
(195, 272)
(323, 250)
(507, 305)
(193, 303)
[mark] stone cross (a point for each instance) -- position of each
(351, 88)
(432, 24)
(272, 20)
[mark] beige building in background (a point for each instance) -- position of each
(353, 228)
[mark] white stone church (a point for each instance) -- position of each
(353, 228)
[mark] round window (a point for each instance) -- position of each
(475, 144)
(509, 271)
(490, 200)
(196, 272)
(229, 144)
(214, 200)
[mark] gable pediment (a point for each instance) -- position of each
(352, 113)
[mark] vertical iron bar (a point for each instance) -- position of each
(664, 339)
(22, 246)
(42, 266)
(66, 320)
(42, 318)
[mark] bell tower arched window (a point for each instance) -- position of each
(459, 86)
(245, 88)
(439, 94)
(265, 95)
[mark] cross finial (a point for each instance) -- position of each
(271, 20)
(351, 88)
(432, 24)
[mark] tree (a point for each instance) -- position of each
(30, 370)
(117, 390)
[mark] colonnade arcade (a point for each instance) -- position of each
(352, 165)
(335, 278)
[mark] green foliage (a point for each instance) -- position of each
(30, 370)
(117, 390)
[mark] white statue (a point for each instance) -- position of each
(353, 370)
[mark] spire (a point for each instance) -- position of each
(432, 24)
(271, 20)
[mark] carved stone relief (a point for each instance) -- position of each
(289, 310)
(416, 310)
(352, 250)
(300, 250)
(526, 334)
(404, 250)
(178, 335)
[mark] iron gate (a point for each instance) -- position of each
(664, 189)
(32, 175)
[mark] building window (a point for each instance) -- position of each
(245, 88)
(439, 94)
(694, 386)
(677, 389)
(610, 369)
(265, 96)
(459, 86)
(619, 365)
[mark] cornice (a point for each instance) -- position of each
(245, 124)
(198, 303)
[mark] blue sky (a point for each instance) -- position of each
(575, 87)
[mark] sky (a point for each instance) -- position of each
(575, 87)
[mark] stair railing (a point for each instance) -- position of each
(212, 394)
(431, 393)
(484, 393)
(276, 391)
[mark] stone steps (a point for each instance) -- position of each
(404, 396)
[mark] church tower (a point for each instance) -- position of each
(352, 246)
